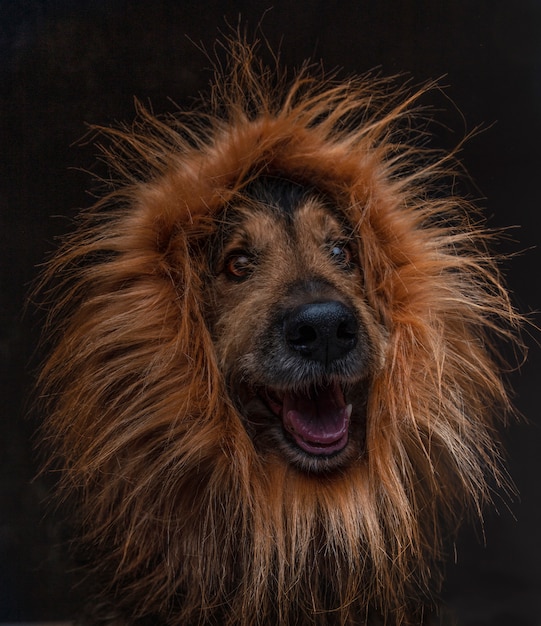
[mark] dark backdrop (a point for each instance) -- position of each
(67, 63)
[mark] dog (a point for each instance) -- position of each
(274, 381)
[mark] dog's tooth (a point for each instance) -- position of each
(349, 409)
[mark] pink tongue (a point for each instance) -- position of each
(318, 421)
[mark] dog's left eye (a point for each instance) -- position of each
(340, 253)
(238, 265)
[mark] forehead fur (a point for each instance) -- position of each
(269, 203)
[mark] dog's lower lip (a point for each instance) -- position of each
(317, 420)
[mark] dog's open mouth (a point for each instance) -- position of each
(316, 419)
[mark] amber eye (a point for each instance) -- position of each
(341, 254)
(239, 265)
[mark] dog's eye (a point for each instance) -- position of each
(341, 254)
(238, 265)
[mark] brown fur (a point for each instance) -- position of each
(196, 508)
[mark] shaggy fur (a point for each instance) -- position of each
(170, 386)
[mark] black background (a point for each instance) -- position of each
(64, 64)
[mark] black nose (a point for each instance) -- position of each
(321, 331)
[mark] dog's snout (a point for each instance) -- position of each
(321, 331)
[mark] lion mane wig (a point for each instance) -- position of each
(187, 519)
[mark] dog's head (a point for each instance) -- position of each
(273, 373)
(295, 336)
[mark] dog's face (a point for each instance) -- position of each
(294, 336)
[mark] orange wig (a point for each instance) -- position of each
(184, 515)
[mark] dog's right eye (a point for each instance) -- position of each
(239, 265)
